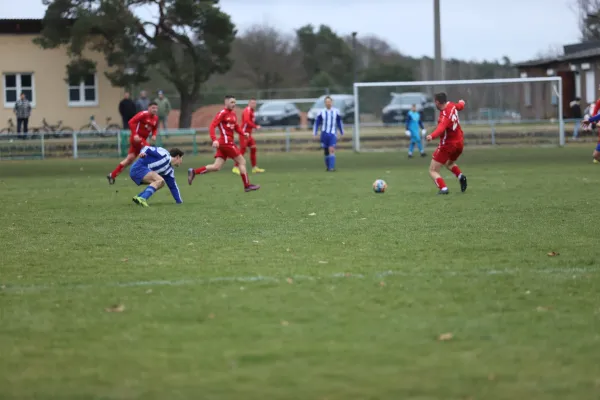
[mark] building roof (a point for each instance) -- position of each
(20, 26)
(537, 63)
(590, 53)
(572, 52)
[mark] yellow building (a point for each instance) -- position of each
(40, 74)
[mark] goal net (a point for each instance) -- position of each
(502, 112)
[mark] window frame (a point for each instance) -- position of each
(18, 88)
(590, 86)
(82, 87)
(528, 94)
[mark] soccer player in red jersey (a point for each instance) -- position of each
(141, 125)
(226, 120)
(248, 125)
(594, 112)
(451, 142)
(586, 124)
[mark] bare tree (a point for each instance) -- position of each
(372, 50)
(588, 16)
(266, 58)
(552, 51)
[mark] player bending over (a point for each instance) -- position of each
(413, 123)
(155, 168)
(586, 124)
(247, 140)
(330, 121)
(226, 120)
(451, 142)
(141, 125)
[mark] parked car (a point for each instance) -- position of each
(401, 103)
(278, 113)
(343, 102)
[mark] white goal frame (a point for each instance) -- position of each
(558, 90)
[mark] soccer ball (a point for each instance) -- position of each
(379, 186)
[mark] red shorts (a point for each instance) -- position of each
(226, 151)
(136, 147)
(247, 141)
(447, 152)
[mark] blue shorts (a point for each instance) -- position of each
(328, 140)
(598, 147)
(137, 172)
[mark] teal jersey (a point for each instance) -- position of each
(413, 121)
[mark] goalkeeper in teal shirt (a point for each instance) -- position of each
(414, 129)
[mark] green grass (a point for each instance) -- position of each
(344, 304)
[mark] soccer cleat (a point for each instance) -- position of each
(409, 155)
(235, 170)
(250, 188)
(191, 175)
(595, 161)
(256, 170)
(111, 180)
(443, 191)
(463, 183)
(140, 201)
(423, 154)
(330, 170)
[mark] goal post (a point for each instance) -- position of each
(511, 111)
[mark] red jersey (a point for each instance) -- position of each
(143, 124)
(595, 109)
(449, 126)
(248, 120)
(226, 120)
(593, 112)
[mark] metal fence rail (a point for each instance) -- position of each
(374, 137)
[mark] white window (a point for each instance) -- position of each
(590, 86)
(578, 85)
(527, 94)
(83, 93)
(15, 84)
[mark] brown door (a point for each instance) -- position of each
(568, 87)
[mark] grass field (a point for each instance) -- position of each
(312, 288)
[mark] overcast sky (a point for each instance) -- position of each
(471, 29)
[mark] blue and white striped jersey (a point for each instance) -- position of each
(158, 160)
(330, 122)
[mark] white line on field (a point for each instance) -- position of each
(9, 288)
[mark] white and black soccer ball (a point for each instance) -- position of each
(379, 186)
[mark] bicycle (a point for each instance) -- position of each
(94, 128)
(10, 129)
(57, 130)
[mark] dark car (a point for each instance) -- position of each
(401, 103)
(278, 113)
(343, 102)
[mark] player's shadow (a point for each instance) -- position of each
(167, 204)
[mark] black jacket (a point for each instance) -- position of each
(127, 109)
(575, 110)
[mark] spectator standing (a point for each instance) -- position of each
(164, 108)
(143, 102)
(127, 109)
(22, 111)
(576, 115)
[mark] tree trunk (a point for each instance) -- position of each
(186, 110)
